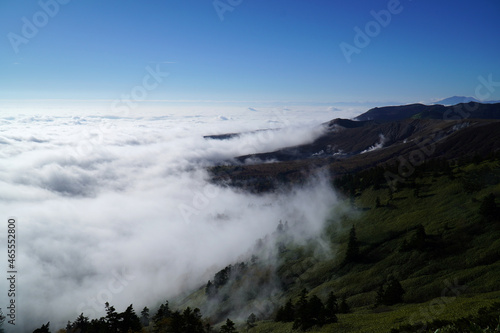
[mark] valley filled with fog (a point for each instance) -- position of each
(120, 209)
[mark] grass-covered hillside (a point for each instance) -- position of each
(437, 234)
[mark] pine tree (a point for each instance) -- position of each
(81, 324)
(210, 289)
(418, 240)
(393, 292)
(280, 314)
(251, 321)
(145, 316)
(390, 293)
(344, 307)
(129, 321)
(315, 313)
(191, 320)
(228, 327)
(352, 253)
(331, 308)
(176, 322)
(280, 227)
(488, 208)
(289, 312)
(111, 318)
(301, 310)
(161, 317)
(43, 329)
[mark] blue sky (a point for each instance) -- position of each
(273, 50)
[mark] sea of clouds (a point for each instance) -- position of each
(120, 209)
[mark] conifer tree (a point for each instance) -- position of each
(344, 307)
(129, 321)
(352, 253)
(289, 312)
(111, 318)
(331, 308)
(390, 293)
(315, 313)
(145, 316)
(488, 208)
(228, 327)
(301, 310)
(251, 321)
(43, 329)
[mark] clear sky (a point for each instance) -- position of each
(256, 50)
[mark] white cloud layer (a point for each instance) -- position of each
(120, 209)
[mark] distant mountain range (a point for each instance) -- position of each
(420, 111)
(461, 99)
(378, 137)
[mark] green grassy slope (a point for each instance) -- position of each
(452, 274)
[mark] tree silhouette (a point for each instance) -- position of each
(111, 318)
(81, 324)
(418, 240)
(331, 308)
(251, 321)
(145, 316)
(129, 321)
(176, 322)
(352, 253)
(390, 293)
(228, 327)
(286, 313)
(344, 307)
(43, 329)
(315, 312)
(161, 316)
(210, 289)
(192, 321)
(488, 208)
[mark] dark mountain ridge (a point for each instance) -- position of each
(386, 136)
(471, 110)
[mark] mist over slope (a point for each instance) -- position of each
(108, 207)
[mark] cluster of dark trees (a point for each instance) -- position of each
(165, 320)
(309, 312)
(222, 277)
(126, 321)
(488, 209)
(189, 320)
(350, 183)
(113, 322)
(390, 293)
